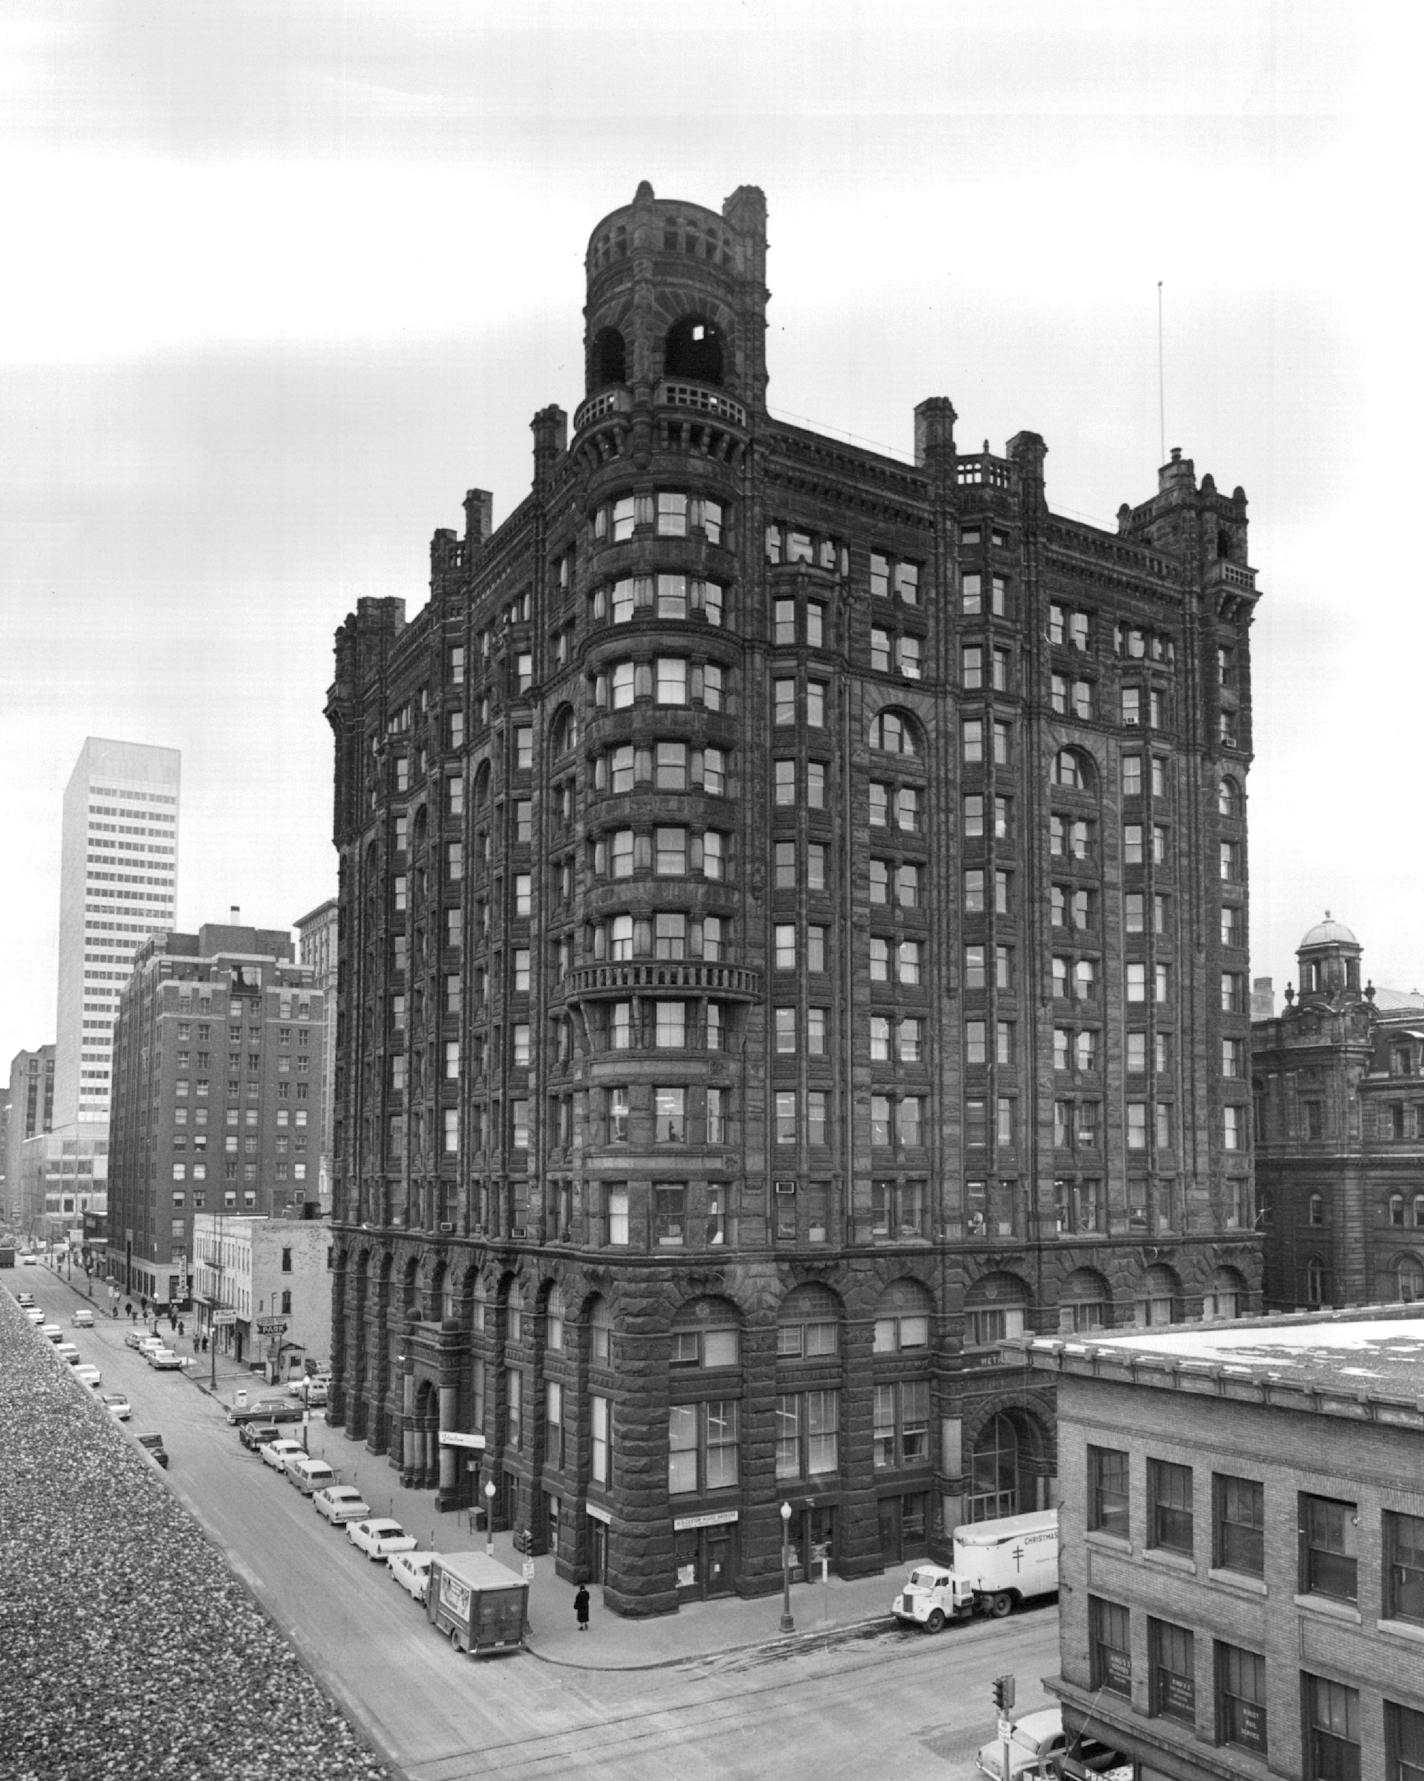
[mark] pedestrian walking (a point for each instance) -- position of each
(205, 1344)
(128, 1310)
(180, 1328)
(581, 1607)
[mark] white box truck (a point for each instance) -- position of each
(995, 1566)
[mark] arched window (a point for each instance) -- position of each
(1228, 1291)
(1229, 799)
(705, 1333)
(808, 1324)
(902, 1318)
(1086, 1302)
(994, 1471)
(564, 731)
(610, 352)
(1158, 1297)
(1409, 1278)
(482, 785)
(995, 1308)
(600, 1333)
(1317, 1280)
(892, 733)
(693, 348)
(1072, 768)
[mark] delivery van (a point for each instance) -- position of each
(995, 1566)
(310, 1475)
(479, 1604)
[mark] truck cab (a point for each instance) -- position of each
(931, 1596)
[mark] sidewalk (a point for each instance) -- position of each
(824, 1612)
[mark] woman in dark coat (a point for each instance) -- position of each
(581, 1607)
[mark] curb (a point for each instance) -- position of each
(784, 1644)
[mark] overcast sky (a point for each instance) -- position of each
(286, 277)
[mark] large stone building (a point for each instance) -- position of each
(793, 934)
(316, 946)
(217, 1096)
(1338, 1081)
(1243, 1545)
(273, 1276)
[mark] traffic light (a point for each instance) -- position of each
(1004, 1695)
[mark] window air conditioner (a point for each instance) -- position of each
(446, 1229)
(786, 1187)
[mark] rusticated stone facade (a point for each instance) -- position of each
(792, 935)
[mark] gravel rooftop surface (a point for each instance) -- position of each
(124, 1637)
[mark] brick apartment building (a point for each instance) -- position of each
(1242, 1556)
(792, 935)
(217, 1082)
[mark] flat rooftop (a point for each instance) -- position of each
(1344, 1362)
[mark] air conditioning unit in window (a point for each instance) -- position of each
(786, 1187)
(446, 1230)
(518, 1233)
(1132, 722)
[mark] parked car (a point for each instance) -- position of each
(52, 1330)
(118, 1404)
(27, 1259)
(89, 1373)
(266, 1410)
(257, 1434)
(133, 1336)
(147, 1344)
(1036, 1747)
(155, 1447)
(67, 1351)
(340, 1502)
(380, 1538)
(277, 1453)
(312, 1390)
(83, 1318)
(35, 1315)
(412, 1571)
(24, 1300)
(164, 1360)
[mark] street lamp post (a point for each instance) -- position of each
(788, 1625)
(489, 1519)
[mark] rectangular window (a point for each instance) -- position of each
(1239, 1514)
(1331, 1715)
(1241, 1698)
(1169, 1506)
(1328, 1548)
(1172, 1660)
(1109, 1647)
(1404, 1742)
(601, 1444)
(1107, 1491)
(1404, 1567)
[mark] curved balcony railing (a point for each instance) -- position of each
(639, 975)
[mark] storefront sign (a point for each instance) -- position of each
(454, 1438)
(597, 1514)
(717, 1518)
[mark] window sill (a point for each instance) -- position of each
(1326, 1605)
(1402, 1629)
(1170, 1561)
(1109, 1542)
(1247, 1584)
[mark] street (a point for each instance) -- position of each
(893, 1702)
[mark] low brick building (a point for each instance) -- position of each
(1243, 1545)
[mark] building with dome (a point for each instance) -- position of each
(1338, 1091)
(792, 936)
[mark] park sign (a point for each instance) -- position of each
(271, 1326)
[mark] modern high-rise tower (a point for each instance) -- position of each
(792, 936)
(118, 885)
